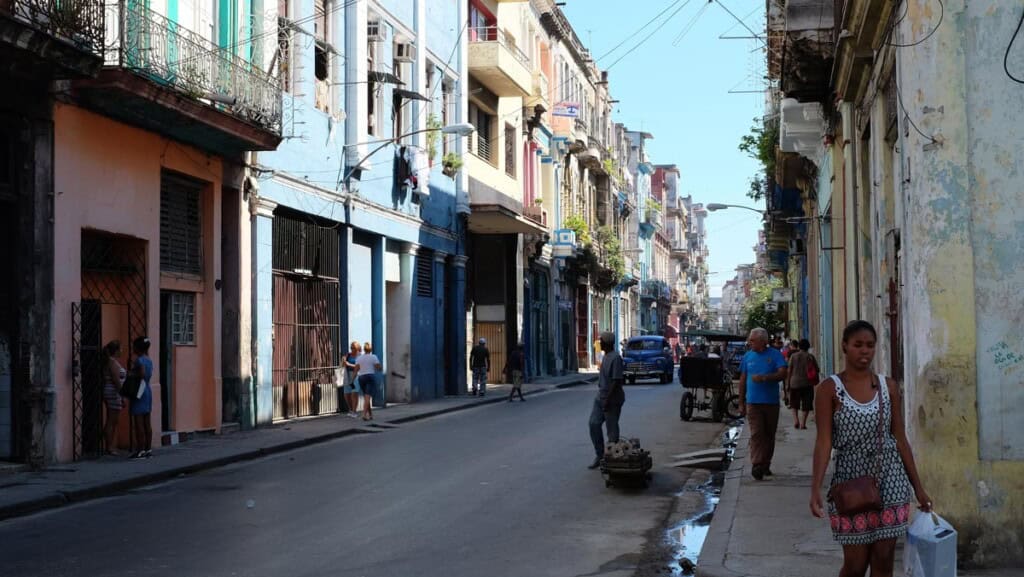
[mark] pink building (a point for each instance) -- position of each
(135, 195)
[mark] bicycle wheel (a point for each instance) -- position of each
(732, 407)
(686, 406)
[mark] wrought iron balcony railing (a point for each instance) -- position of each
(79, 22)
(148, 44)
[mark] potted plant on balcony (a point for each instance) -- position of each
(538, 201)
(450, 164)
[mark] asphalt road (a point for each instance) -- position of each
(501, 490)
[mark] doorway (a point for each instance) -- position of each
(113, 307)
(495, 335)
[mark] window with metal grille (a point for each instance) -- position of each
(181, 236)
(510, 150)
(183, 318)
(425, 275)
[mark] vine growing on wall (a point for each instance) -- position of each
(577, 224)
(760, 145)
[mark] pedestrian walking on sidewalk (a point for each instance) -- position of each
(761, 371)
(113, 377)
(141, 406)
(867, 437)
(610, 398)
(800, 381)
(368, 365)
(514, 369)
(480, 363)
(352, 389)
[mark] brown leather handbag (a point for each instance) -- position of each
(862, 494)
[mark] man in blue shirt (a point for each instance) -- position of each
(761, 371)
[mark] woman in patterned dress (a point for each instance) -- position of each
(854, 398)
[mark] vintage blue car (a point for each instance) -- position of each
(648, 357)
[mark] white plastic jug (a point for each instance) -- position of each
(931, 547)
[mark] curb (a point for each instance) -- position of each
(716, 545)
(61, 499)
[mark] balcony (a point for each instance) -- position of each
(65, 36)
(165, 78)
(539, 94)
(498, 63)
(536, 214)
(655, 219)
(679, 252)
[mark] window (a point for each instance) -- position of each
(425, 274)
(400, 116)
(373, 88)
(482, 121)
(180, 225)
(510, 150)
(322, 60)
(183, 318)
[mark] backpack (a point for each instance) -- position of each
(812, 369)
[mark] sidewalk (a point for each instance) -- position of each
(765, 528)
(27, 492)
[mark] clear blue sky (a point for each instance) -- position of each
(680, 94)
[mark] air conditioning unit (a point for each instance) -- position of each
(796, 246)
(405, 52)
(375, 31)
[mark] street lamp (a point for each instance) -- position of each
(712, 207)
(460, 129)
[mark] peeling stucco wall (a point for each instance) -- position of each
(964, 266)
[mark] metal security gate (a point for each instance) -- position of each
(113, 307)
(306, 317)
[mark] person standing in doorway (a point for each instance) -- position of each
(598, 354)
(368, 365)
(610, 398)
(113, 377)
(142, 405)
(352, 389)
(515, 368)
(480, 363)
(800, 381)
(761, 370)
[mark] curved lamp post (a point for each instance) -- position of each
(461, 129)
(712, 207)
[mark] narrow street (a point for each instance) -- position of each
(499, 490)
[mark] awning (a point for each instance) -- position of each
(496, 219)
(409, 94)
(385, 77)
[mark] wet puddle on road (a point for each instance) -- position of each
(686, 539)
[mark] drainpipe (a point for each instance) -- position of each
(850, 208)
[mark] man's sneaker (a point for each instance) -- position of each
(138, 455)
(595, 464)
(768, 473)
(757, 473)
(147, 454)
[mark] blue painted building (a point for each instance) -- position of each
(357, 232)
